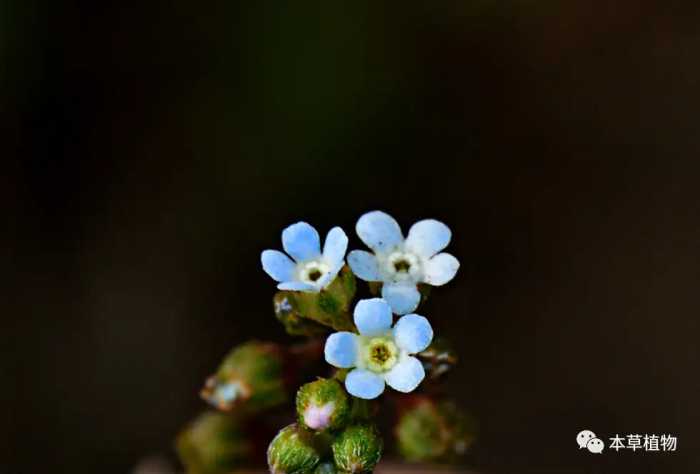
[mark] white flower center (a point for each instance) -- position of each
(311, 272)
(379, 354)
(402, 266)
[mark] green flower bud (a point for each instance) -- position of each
(213, 443)
(251, 375)
(431, 432)
(357, 449)
(325, 468)
(292, 452)
(294, 323)
(322, 405)
(329, 307)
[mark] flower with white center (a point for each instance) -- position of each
(311, 270)
(379, 354)
(401, 264)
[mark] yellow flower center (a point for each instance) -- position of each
(381, 354)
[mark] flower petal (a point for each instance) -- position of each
(326, 279)
(403, 298)
(413, 333)
(364, 265)
(428, 237)
(277, 265)
(297, 286)
(379, 231)
(341, 349)
(301, 241)
(406, 375)
(440, 269)
(334, 248)
(372, 316)
(362, 383)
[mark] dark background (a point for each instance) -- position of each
(153, 151)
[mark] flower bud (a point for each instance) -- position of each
(357, 449)
(432, 432)
(251, 375)
(213, 442)
(322, 405)
(291, 452)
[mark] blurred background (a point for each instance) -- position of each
(151, 151)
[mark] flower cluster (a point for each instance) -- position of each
(379, 352)
(376, 341)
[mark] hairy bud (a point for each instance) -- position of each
(322, 405)
(430, 431)
(291, 452)
(213, 442)
(357, 449)
(252, 375)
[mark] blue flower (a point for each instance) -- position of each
(379, 354)
(402, 264)
(311, 270)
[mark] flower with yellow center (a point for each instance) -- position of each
(380, 354)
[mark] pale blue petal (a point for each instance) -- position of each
(341, 349)
(428, 237)
(334, 248)
(413, 333)
(364, 384)
(379, 231)
(403, 298)
(440, 269)
(277, 265)
(364, 265)
(301, 241)
(326, 279)
(297, 286)
(406, 375)
(372, 316)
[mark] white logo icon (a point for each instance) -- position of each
(595, 446)
(587, 439)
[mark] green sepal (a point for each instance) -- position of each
(292, 451)
(251, 377)
(358, 448)
(214, 443)
(434, 432)
(329, 307)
